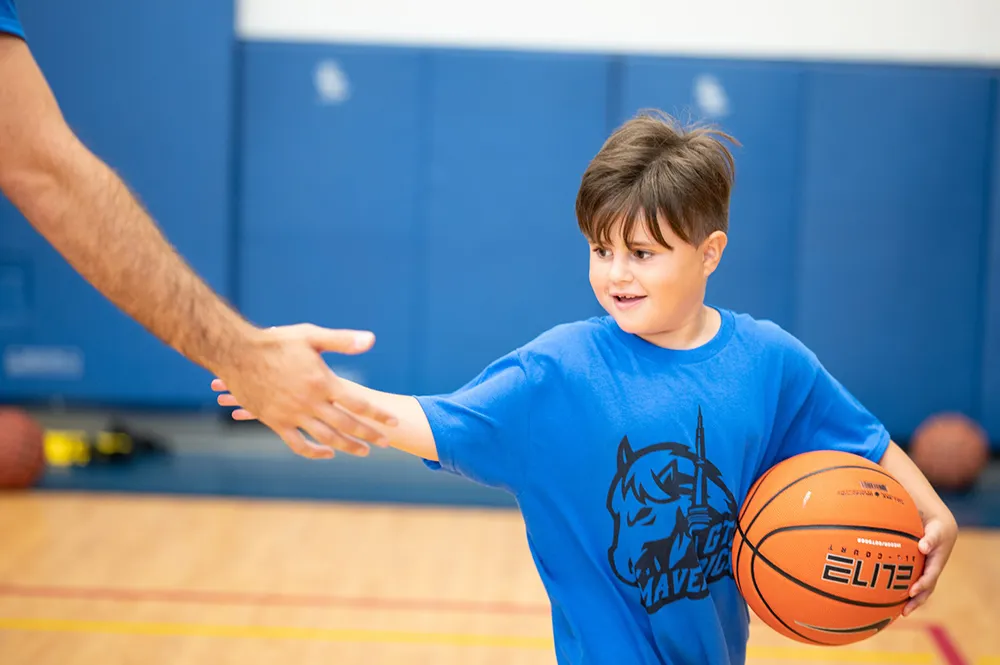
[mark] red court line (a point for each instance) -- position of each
(944, 643)
(272, 599)
(937, 633)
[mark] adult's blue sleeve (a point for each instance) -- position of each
(9, 23)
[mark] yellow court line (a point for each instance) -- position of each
(273, 632)
(839, 655)
(402, 637)
(988, 660)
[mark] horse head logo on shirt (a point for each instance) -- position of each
(674, 520)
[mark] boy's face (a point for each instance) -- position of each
(651, 290)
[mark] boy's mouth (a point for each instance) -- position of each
(627, 300)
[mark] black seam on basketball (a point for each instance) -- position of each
(758, 484)
(857, 603)
(874, 627)
(736, 570)
(820, 527)
(760, 594)
(745, 535)
(810, 475)
(743, 509)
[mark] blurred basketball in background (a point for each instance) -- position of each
(22, 449)
(951, 450)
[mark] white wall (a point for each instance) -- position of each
(930, 31)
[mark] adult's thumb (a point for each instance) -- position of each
(341, 341)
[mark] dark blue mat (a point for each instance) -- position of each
(343, 478)
(384, 480)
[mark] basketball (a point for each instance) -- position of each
(22, 450)
(825, 549)
(951, 450)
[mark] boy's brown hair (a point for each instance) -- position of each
(652, 169)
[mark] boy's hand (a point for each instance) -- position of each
(940, 528)
(940, 534)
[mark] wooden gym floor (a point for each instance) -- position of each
(112, 579)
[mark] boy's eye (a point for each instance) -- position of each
(642, 254)
(601, 252)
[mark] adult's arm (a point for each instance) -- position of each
(87, 213)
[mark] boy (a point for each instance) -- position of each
(597, 426)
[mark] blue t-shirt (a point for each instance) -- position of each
(8, 19)
(599, 435)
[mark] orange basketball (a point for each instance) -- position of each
(825, 549)
(951, 450)
(22, 450)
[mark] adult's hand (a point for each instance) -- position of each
(284, 381)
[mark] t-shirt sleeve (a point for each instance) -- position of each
(815, 412)
(9, 22)
(481, 431)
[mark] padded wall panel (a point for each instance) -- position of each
(148, 89)
(510, 137)
(990, 402)
(892, 224)
(759, 104)
(328, 233)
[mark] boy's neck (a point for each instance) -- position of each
(697, 330)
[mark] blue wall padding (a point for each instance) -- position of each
(893, 218)
(148, 88)
(330, 189)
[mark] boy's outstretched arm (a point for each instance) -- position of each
(412, 434)
(940, 527)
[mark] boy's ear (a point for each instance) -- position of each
(711, 251)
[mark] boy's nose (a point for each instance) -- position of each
(619, 271)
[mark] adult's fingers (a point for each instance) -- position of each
(339, 341)
(243, 414)
(227, 400)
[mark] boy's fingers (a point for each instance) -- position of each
(928, 579)
(301, 446)
(359, 406)
(932, 537)
(331, 438)
(915, 603)
(346, 423)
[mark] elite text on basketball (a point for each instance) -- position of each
(857, 572)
